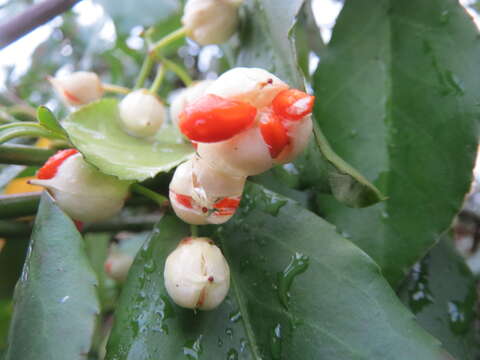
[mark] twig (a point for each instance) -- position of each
(24, 155)
(32, 18)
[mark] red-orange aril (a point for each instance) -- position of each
(49, 169)
(274, 133)
(213, 118)
(293, 104)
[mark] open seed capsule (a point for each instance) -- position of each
(202, 195)
(80, 190)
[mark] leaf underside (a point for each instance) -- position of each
(95, 130)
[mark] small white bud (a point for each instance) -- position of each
(83, 192)
(245, 154)
(255, 86)
(78, 88)
(210, 21)
(118, 264)
(202, 195)
(299, 133)
(187, 96)
(142, 113)
(196, 274)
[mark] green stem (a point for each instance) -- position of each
(13, 206)
(194, 230)
(178, 70)
(168, 39)
(157, 82)
(17, 129)
(6, 118)
(24, 155)
(142, 190)
(144, 71)
(115, 88)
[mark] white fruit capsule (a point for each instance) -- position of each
(245, 154)
(255, 86)
(299, 133)
(210, 21)
(202, 195)
(83, 192)
(196, 274)
(186, 97)
(78, 88)
(142, 113)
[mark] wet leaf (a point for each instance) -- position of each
(96, 132)
(400, 104)
(55, 302)
(441, 292)
(266, 43)
(298, 291)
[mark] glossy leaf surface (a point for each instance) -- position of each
(403, 109)
(266, 43)
(441, 292)
(55, 301)
(298, 291)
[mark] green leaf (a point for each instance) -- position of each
(266, 43)
(55, 303)
(96, 132)
(337, 306)
(397, 93)
(12, 257)
(97, 251)
(5, 316)
(24, 128)
(441, 291)
(49, 121)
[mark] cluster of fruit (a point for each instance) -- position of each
(241, 124)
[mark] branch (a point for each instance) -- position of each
(24, 155)
(32, 18)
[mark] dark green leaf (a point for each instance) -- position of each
(55, 303)
(298, 291)
(49, 121)
(441, 292)
(397, 93)
(96, 132)
(97, 251)
(266, 43)
(12, 257)
(5, 315)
